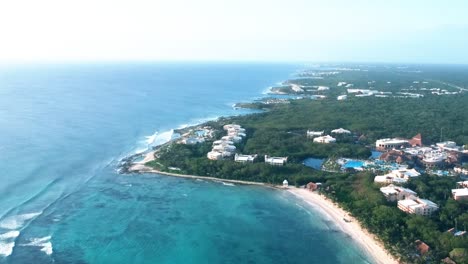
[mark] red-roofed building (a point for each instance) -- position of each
(422, 247)
(416, 141)
(312, 186)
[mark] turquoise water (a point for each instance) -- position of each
(64, 129)
(354, 164)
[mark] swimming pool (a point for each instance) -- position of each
(354, 164)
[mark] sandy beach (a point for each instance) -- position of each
(368, 241)
(148, 157)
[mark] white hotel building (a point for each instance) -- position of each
(390, 143)
(416, 205)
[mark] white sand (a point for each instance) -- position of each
(148, 157)
(368, 241)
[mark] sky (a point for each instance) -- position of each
(409, 31)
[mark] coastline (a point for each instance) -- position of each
(367, 241)
(139, 167)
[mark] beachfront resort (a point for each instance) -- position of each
(331, 149)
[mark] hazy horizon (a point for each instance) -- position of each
(296, 31)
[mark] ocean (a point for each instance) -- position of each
(65, 127)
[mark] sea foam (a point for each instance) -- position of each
(7, 242)
(42, 242)
(6, 248)
(163, 137)
(150, 139)
(10, 234)
(17, 221)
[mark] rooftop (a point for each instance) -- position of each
(408, 202)
(460, 192)
(392, 141)
(341, 131)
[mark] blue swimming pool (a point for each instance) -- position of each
(353, 164)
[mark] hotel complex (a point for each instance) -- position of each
(416, 205)
(395, 193)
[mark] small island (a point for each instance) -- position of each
(380, 148)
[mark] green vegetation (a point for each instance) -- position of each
(191, 159)
(282, 132)
(373, 117)
(358, 194)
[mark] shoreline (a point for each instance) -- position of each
(141, 168)
(368, 242)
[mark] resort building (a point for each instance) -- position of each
(448, 145)
(416, 141)
(323, 88)
(390, 143)
(313, 186)
(340, 131)
(234, 139)
(394, 155)
(222, 142)
(296, 88)
(417, 151)
(462, 184)
(192, 140)
(231, 126)
(421, 247)
(434, 158)
(285, 183)
(416, 205)
(342, 97)
(245, 158)
(461, 170)
(397, 176)
(364, 95)
(460, 194)
(395, 193)
(406, 173)
(362, 91)
(311, 133)
(325, 139)
(214, 155)
(277, 161)
(384, 179)
(222, 148)
(341, 84)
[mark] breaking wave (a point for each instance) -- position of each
(42, 242)
(17, 221)
(7, 242)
